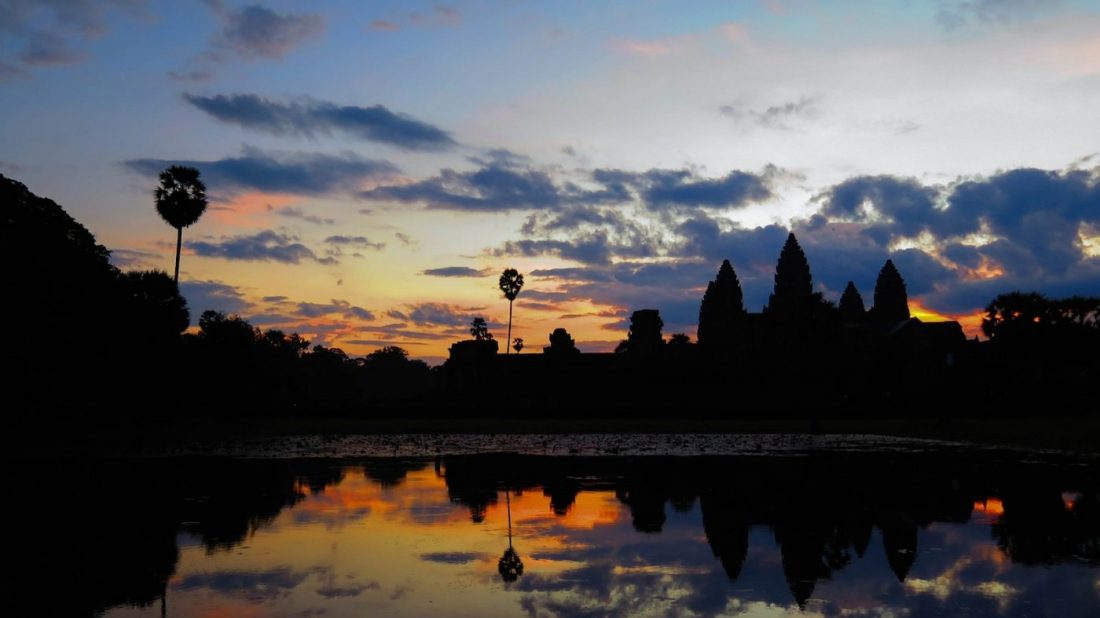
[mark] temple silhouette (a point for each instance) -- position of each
(842, 357)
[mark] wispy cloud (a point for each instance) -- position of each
(309, 117)
(255, 31)
(265, 246)
(652, 47)
(298, 173)
(42, 34)
(456, 271)
(781, 116)
(955, 14)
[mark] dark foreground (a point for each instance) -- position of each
(775, 525)
(137, 436)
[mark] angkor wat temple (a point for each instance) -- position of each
(800, 350)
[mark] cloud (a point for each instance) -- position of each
(256, 586)
(41, 34)
(505, 183)
(487, 189)
(780, 116)
(279, 172)
(309, 117)
(439, 16)
(216, 295)
(358, 242)
(337, 307)
(10, 72)
(47, 49)
(588, 248)
(384, 25)
(454, 557)
(331, 590)
(955, 14)
(652, 48)
(193, 75)
(258, 32)
(134, 259)
(265, 246)
(435, 314)
(663, 188)
(298, 213)
(456, 271)
(406, 240)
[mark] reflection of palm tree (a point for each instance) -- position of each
(510, 566)
(511, 282)
(180, 201)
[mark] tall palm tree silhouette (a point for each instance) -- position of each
(180, 201)
(510, 566)
(511, 282)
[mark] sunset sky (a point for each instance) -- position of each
(372, 167)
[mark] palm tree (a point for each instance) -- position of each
(180, 201)
(510, 566)
(511, 282)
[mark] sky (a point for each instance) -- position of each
(372, 167)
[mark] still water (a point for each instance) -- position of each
(950, 531)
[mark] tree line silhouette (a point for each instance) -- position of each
(87, 339)
(121, 547)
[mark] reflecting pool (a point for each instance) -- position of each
(949, 531)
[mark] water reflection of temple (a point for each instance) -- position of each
(820, 517)
(122, 547)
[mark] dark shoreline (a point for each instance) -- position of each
(70, 438)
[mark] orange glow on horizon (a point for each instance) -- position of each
(971, 322)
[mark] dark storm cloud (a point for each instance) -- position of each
(1034, 217)
(456, 271)
(256, 31)
(681, 188)
(663, 188)
(265, 246)
(909, 205)
(308, 117)
(278, 172)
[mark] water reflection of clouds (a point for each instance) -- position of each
(258, 586)
(400, 539)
